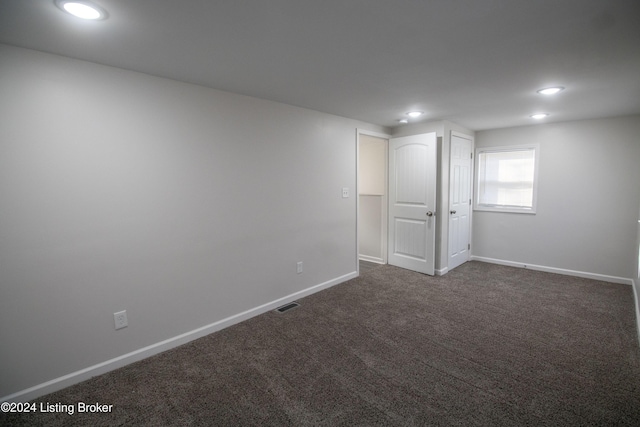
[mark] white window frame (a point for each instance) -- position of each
(503, 208)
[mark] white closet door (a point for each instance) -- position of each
(459, 201)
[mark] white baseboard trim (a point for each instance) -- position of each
(126, 359)
(442, 271)
(566, 272)
(371, 259)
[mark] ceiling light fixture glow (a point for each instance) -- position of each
(539, 116)
(403, 121)
(414, 114)
(82, 9)
(550, 90)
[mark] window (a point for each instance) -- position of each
(507, 179)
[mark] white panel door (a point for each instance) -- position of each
(412, 202)
(459, 200)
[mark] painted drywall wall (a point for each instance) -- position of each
(637, 270)
(370, 228)
(636, 281)
(371, 174)
(180, 204)
(587, 199)
(443, 129)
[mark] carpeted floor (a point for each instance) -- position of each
(484, 345)
(366, 266)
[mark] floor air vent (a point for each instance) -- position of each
(287, 307)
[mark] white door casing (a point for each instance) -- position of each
(459, 200)
(412, 202)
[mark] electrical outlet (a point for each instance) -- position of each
(345, 192)
(299, 267)
(120, 319)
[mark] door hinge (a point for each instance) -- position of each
(471, 155)
(469, 202)
(469, 246)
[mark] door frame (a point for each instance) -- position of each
(385, 197)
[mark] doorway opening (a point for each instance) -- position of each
(372, 196)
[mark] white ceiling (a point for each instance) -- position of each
(475, 62)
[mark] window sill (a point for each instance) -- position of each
(529, 211)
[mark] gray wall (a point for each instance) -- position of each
(588, 196)
(637, 271)
(636, 277)
(181, 204)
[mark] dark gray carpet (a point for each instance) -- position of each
(484, 345)
(366, 266)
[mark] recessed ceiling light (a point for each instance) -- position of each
(82, 9)
(550, 90)
(414, 114)
(539, 116)
(403, 121)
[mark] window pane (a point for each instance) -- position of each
(505, 178)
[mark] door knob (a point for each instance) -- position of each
(429, 213)
(452, 212)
